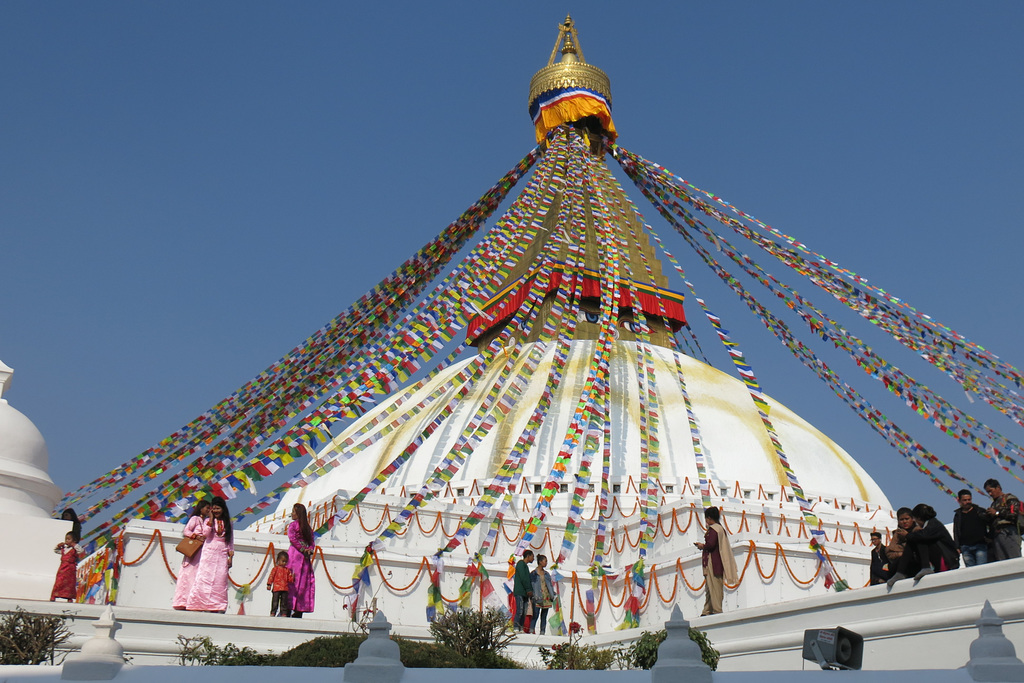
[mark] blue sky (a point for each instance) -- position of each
(188, 190)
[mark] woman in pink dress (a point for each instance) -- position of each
(190, 565)
(66, 584)
(302, 590)
(210, 586)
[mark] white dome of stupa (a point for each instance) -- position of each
(25, 485)
(738, 450)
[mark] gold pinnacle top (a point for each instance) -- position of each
(572, 70)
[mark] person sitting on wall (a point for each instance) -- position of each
(879, 560)
(897, 547)
(717, 561)
(930, 544)
(972, 531)
(1005, 515)
(69, 515)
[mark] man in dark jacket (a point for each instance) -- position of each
(971, 530)
(522, 588)
(879, 562)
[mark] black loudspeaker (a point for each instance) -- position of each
(834, 648)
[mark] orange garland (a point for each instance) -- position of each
(604, 591)
(268, 553)
(330, 580)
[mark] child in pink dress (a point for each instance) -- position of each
(210, 587)
(66, 584)
(190, 565)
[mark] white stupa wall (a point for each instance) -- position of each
(781, 569)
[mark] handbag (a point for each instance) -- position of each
(189, 547)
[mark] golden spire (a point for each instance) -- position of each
(566, 36)
(572, 70)
(570, 73)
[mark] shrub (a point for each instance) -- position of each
(323, 651)
(201, 651)
(493, 660)
(478, 636)
(573, 655)
(31, 638)
(643, 654)
(417, 655)
(339, 650)
(342, 649)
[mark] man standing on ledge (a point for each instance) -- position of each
(1004, 515)
(717, 560)
(971, 530)
(522, 588)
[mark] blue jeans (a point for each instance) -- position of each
(521, 602)
(974, 554)
(540, 618)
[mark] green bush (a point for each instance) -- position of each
(341, 649)
(643, 654)
(481, 632)
(323, 651)
(417, 655)
(201, 651)
(575, 656)
(493, 660)
(480, 637)
(31, 638)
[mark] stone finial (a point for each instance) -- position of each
(101, 657)
(679, 658)
(378, 660)
(993, 657)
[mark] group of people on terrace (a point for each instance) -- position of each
(533, 591)
(202, 584)
(922, 545)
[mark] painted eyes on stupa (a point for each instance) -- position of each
(631, 326)
(595, 318)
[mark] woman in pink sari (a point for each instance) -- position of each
(210, 587)
(190, 565)
(302, 590)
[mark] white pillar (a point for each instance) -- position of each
(101, 657)
(679, 658)
(378, 660)
(993, 657)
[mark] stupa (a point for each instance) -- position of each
(572, 421)
(27, 494)
(547, 391)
